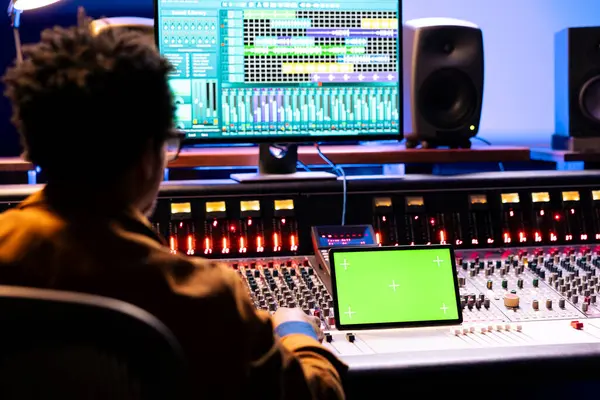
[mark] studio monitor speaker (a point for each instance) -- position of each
(443, 82)
(577, 89)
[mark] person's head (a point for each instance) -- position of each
(96, 112)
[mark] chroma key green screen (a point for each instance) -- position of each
(396, 285)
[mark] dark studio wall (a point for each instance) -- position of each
(32, 23)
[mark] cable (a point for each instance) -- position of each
(339, 171)
(303, 166)
(500, 163)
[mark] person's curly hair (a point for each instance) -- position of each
(88, 105)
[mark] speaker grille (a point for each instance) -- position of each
(448, 99)
(589, 99)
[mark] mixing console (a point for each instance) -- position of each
(527, 249)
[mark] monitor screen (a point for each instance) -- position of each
(377, 287)
(254, 71)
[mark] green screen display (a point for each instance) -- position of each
(395, 286)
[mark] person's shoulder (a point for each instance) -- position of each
(195, 276)
(33, 221)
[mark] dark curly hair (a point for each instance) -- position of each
(87, 106)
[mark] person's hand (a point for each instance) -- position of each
(284, 314)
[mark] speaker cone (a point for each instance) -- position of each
(448, 99)
(589, 99)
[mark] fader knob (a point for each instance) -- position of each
(511, 300)
(575, 299)
(549, 304)
(486, 303)
(520, 283)
(561, 303)
(504, 284)
(490, 284)
(536, 305)
(584, 307)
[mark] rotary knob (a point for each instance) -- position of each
(511, 300)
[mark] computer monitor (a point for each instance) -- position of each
(283, 72)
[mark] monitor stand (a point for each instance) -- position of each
(278, 163)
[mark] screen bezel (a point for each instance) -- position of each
(387, 325)
(309, 140)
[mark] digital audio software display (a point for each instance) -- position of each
(254, 69)
(394, 287)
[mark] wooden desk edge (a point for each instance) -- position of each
(385, 154)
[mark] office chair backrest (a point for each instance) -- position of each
(62, 345)
(144, 25)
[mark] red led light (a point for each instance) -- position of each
(522, 237)
(542, 213)
(190, 245)
(282, 221)
(584, 236)
(432, 221)
(507, 238)
(538, 237)
(207, 246)
(249, 222)
(293, 243)
(553, 237)
(568, 238)
(276, 244)
(243, 247)
(511, 213)
(378, 238)
(173, 244)
(442, 237)
(557, 217)
(260, 246)
(225, 245)
(215, 223)
(572, 211)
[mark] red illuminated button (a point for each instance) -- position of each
(577, 325)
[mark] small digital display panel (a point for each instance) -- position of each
(335, 236)
(478, 199)
(181, 208)
(540, 197)
(390, 287)
(570, 196)
(510, 198)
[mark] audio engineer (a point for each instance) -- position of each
(96, 113)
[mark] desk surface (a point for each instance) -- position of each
(366, 154)
(550, 155)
